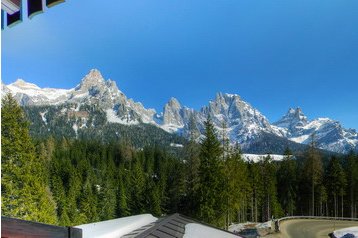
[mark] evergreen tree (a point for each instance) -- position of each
(323, 199)
(351, 169)
(336, 182)
(25, 193)
(87, 206)
(176, 199)
(287, 183)
(138, 181)
(122, 196)
(73, 186)
(211, 178)
(50, 147)
(313, 172)
(154, 201)
(236, 188)
(192, 164)
(107, 201)
(271, 206)
(256, 189)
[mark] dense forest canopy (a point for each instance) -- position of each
(75, 181)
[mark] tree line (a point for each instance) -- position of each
(70, 182)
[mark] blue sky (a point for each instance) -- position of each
(275, 54)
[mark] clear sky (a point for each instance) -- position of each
(276, 54)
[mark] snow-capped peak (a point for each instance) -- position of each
(328, 134)
(94, 73)
(296, 114)
(293, 118)
(30, 94)
(22, 84)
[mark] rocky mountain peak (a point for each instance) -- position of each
(95, 73)
(224, 100)
(93, 79)
(297, 113)
(174, 103)
(172, 114)
(293, 118)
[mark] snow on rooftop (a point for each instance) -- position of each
(117, 227)
(193, 230)
(345, 231)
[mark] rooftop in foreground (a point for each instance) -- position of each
(147, 226)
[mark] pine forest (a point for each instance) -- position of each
(68, 181)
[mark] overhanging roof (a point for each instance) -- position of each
(14, 10)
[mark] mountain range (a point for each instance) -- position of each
(233, 117)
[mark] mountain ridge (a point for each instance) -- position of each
(232, 116)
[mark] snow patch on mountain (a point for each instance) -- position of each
(301, 139)
(176, 145)
(42, 114)
(113, 118)
(75, 128)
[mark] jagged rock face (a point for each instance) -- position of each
(230, 115)
(292, 124)
(93, 89)
(175, 118)
(173, 113)
(326, 133)
(243, 123)
(293, 119)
